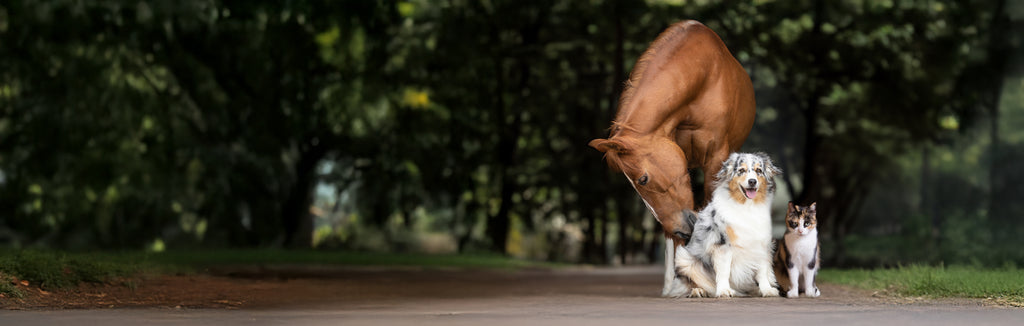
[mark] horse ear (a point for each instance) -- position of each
(608, 145)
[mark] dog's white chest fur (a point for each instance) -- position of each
(751, 223)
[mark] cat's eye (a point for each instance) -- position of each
(792, 224)
(807, 223)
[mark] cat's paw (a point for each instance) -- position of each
(813, 293)
(698, 293)
(793, 293)
(725, 293)
(769, 292)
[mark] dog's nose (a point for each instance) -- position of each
(752, 182)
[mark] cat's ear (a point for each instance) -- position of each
(791, 207)
(813, 208)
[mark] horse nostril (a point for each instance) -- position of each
(684, 236)
(752, 182)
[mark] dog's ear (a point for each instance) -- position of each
(727, 167)
(770, 169)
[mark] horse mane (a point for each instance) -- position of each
(666, 39)
(619, 126)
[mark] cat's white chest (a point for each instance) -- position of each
(802, 248)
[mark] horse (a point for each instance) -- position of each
(686, 105)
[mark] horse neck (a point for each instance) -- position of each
(640, 121)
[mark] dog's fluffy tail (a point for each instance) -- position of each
(692, 267)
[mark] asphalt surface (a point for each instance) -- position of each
(565, 297)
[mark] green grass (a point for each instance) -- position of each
(1003, 285)
(54, 269)
(7, 287)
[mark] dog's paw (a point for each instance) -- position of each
(770, 292)
(793, 293)
(725, 293)
(813, 293)
(698, 293)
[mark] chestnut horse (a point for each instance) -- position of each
(687, 104)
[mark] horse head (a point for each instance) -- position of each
(657, 169)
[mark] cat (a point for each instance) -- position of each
(799, 254)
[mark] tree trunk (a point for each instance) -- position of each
(498, 224)
(295, 216)
(928, 204)
(997, 49)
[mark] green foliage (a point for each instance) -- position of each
(1003, 285)
(199, 123)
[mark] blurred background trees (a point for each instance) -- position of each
(454, 126)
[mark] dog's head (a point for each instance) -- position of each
(748, 176)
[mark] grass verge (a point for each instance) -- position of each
(55, 270)
(1003, 286)
(313, 257)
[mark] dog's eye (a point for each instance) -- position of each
(642, 181)
(743, 170)
(759, 171)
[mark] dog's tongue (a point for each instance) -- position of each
(750, 193)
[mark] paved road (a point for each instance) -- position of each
(575, 297)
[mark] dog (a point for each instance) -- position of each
(730, 250)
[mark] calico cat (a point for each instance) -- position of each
(798, 257)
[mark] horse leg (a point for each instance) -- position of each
(712, 165)
(673, 286)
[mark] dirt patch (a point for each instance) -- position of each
(295, 286)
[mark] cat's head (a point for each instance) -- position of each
(801, 219)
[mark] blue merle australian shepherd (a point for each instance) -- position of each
(730, 250)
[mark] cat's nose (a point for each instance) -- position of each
(751, 183)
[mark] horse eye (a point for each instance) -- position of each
(642, 181)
